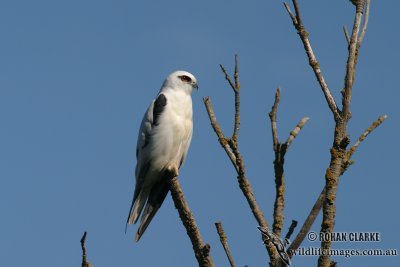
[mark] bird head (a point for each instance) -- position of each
(181, 80)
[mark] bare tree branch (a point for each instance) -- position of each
(366, 133)
(297, 10)
(296, 130)
(231, 148)
(222, 238)
(318, 203)
(346, 34)
(339, 156)
(297, 22)
(85, 262)
(272, 116)
(280, 151)
(237, 102)
(236, 74)
(201, 250)
(305, 228)
(341, 141)
(347, 162)
(351, 62)
(227, 77)
(292, 16)
(365, 24)
(236, 87)
(290, 230)
(217, 129)
(354, 45)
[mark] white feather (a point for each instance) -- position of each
(163, 145)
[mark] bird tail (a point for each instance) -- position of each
(156, 198)
(137, 206)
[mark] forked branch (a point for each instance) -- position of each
(340, 158)
(352, 58)
(279, 161)
(298, 24)
(348, 161)
(230, 145)
(318, 203)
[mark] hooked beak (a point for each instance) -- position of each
(196, 86)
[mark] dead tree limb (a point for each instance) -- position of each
(312, 60)
(348, 161)
(290, 230)
(341, 141)
(85, 262)
(230, 145)
(224, 242)
(201, 250)
(339, 155)
(305, 228)
(318, 203)
(280, 150)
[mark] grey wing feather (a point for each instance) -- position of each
(142, 165)
(144, 131)
(150, 120)
(156, 198)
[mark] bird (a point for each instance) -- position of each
(163, 142)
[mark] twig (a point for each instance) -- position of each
(280, 151)
(347, 162)
(305, 228)
(351, 62)
(366, 133)
(297, 10)
(272, 116)
(222, 238)
(297, 22)
(292, 16)
(237, 102)
(365, 24)
(291, 229)
(85, 262)
(227, 77)
(201, 250)
(236, 87)
(346, 34)
(217, 129)
(236, 74)
(296, 131)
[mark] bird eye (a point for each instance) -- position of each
(185, 78)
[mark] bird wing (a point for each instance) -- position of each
(149, 121)
(186, 145)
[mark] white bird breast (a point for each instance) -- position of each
(172, 136)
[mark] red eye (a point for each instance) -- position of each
(185, 78)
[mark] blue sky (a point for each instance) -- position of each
(77, 76)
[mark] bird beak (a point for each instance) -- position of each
(196, 86)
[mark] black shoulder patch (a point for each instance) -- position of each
(158, 108)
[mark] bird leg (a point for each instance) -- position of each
(171, 172)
